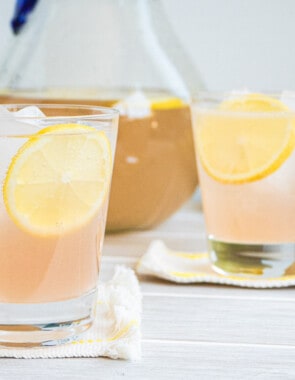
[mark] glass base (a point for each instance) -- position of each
(45, 324)
(252, 260)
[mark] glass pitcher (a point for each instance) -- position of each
(123, 54)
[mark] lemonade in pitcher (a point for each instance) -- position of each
(245, 147)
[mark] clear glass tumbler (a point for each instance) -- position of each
(245, 146)
(56, 168)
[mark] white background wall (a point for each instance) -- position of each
(238, 43)
(232, 43)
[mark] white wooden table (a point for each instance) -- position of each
(189, 331)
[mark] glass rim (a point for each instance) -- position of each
(206, 100)
(218, 95)
(99, 112)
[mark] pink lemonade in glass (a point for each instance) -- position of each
(246, 160)
(55, 170)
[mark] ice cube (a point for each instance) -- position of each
(22, 122)
(12, 127)
(4, 111)
(288, 98)
(136, 105)
(31, 115)
(29, 111)
(236, 94)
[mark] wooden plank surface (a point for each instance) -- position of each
(189, 331)
(166, 360)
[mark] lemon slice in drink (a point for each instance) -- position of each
(58, 180)
(166, 103)
(239, 147)
(253, 103)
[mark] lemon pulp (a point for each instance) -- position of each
(253, 103)
(166, 103)
(58, 180)
(246, 142)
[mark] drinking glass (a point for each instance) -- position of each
(246, 162)
(55, 170)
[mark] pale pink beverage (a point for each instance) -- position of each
(55, 170)
(260, 211)
(36, 269)
(246, 165)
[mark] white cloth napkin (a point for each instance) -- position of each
(185, 267)
(116, 329)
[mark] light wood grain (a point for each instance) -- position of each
(166, 360)
(219, 320)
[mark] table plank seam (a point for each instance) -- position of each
(215, 343)
(213, 296)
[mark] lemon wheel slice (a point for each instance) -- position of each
(166, 103)
(253, 103)
(59, 179)
(239, 147)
